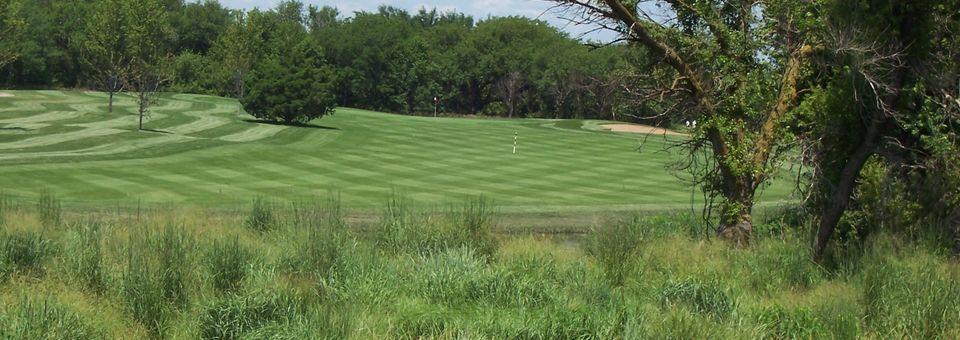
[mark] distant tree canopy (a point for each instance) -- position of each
(293, 87)
(387, 60)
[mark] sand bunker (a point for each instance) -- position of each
(5, 95)
(637, 128)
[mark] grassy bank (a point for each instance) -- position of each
(303, 271)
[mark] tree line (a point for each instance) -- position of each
(388, 60)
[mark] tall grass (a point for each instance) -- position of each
(234, 317)
(44, 317)
(49, 209)
(616, 248)
(322, 239)
(23, 253)
(86, 258)
(228, 262)
(443, 274)
(702, 297)
(5, 207)
(261, 216)
(158, 276)
(917, 296)
(401, 229)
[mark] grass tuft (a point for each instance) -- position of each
(261, 217)
(85, 262)
(227, 264)
(23, 253)
(704, 298)
(616, 249)
(49, 209)
(47, 318)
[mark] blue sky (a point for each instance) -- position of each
(479, 9)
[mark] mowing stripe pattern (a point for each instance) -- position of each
(204, 149)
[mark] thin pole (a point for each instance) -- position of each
(515, 134)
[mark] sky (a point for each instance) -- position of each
(479, 9)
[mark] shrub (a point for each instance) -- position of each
(227, 262)
(48, 207)
(704, 298)
(46, 318)
(293, 87)
(261, 218)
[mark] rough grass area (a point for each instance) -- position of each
(186, 272)
(204, 150)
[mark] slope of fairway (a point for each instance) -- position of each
(200, 149)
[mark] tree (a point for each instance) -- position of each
(511, 89)
(725, 56)
(105, 45)
(148, 37)
(10, 28)
(292, 87)
(889, 98)
(198, 25)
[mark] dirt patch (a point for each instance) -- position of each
(5, 95)
(644, 129)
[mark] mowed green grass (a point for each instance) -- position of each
(203, 150)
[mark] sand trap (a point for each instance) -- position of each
(637, 128)
(5, 95)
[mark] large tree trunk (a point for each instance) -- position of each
(840, 198)
(736, 219)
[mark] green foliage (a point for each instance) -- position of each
(49, 209)
(24, 253)
(476, 219)
(86, 256)
(616, 247)
(228, 262)
(46, 318)
(234, 317)
(401, 228)
(778, 265)
(293, 87)
(915, 297)
(707, 298)
(261, 218)
(157, 277)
